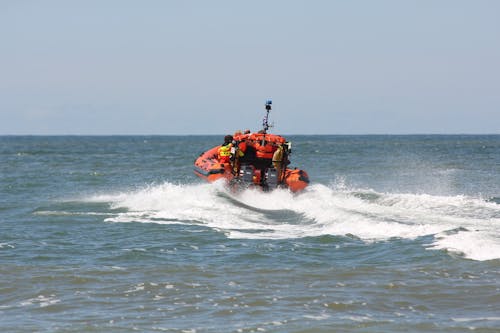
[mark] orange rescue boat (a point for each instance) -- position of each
(257, 160)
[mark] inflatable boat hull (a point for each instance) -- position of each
(208, 167)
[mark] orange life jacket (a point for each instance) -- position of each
(264, 151)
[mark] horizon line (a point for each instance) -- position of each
(297, 134)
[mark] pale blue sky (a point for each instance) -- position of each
(207, 67)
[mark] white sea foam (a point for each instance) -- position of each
(479, 319)
(460, 224)
(41, 300)
(138, 287)
(322, 316)
(65, 213)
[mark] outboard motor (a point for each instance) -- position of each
(246, 174)
(272, 178)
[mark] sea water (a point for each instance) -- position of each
(116, 234)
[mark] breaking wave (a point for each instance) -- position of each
(461, 224)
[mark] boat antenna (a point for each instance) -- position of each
(265, 122)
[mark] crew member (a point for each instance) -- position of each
(237, 153)
(278, 159)
(224, 151)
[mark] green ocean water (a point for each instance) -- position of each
(116, 234)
